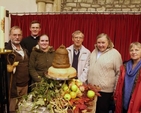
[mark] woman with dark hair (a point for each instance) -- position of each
(41, 58)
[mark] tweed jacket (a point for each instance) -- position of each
(20, 77)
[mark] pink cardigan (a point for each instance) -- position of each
(135, 102)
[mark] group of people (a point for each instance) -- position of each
(103, 68)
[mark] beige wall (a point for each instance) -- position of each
(16, 6)
(19, 5)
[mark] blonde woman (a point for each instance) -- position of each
(105, 62)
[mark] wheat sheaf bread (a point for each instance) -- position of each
(62, 73)
(61, 68)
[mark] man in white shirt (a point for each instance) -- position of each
(79, 56)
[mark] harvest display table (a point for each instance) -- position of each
(49, 96)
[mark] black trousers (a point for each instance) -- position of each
(124, 111)
(103, 102)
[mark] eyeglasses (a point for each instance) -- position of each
(15, 35)
(78, 37)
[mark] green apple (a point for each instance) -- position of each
(73, 94)
(90, 93)
(72, 82)
(67, 96)
(65, 88)
(74, 87)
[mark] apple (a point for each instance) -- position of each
(74, 87)
(67, 96)
(72, 82)
(90, 93)
(73, 94)
(65, 87)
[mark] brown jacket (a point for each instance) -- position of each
(40, 62)
(21, 75)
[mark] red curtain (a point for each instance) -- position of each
(122, 29)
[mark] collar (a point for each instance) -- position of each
(35, 37)
(15, 48)
(78, 49)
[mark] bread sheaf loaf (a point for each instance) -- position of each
(61, 59)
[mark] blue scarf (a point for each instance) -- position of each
(130, 77)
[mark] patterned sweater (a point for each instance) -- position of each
(104, 70)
